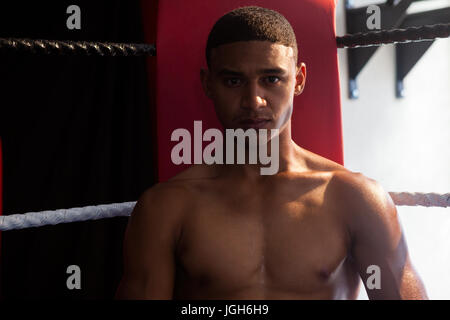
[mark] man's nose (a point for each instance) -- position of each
(253, 96)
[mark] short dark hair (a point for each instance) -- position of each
(251, 23)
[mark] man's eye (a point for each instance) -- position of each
(272, 79)
(232, 82)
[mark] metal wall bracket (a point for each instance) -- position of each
(408, 54)
(392, 15)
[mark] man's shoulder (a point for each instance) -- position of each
(360, 196)
(168, 199)
(178, 190)
(347, 183)
(356, 185)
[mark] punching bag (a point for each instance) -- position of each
(182, 30)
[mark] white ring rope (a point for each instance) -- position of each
(421, 199)
(42, 218)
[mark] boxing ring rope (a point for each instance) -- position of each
(412, 34)
(49, 217)
(372, 38)
(49, 47)
(42, 218)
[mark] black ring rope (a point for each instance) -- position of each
(77, 47)
(372, 38)
(412, 34)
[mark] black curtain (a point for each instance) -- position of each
(76, 131)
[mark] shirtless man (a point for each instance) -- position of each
(227, 232)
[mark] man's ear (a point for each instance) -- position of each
(300, 79)
(204, 78)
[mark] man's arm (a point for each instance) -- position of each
(378, 242)
(149, 245)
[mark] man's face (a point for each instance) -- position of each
(253, 83)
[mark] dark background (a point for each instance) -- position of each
(76, 131)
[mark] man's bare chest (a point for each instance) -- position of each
(286, 241)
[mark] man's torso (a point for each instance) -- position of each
(282, 239)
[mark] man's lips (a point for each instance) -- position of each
(254, 123)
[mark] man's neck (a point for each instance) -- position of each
(290, 158)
